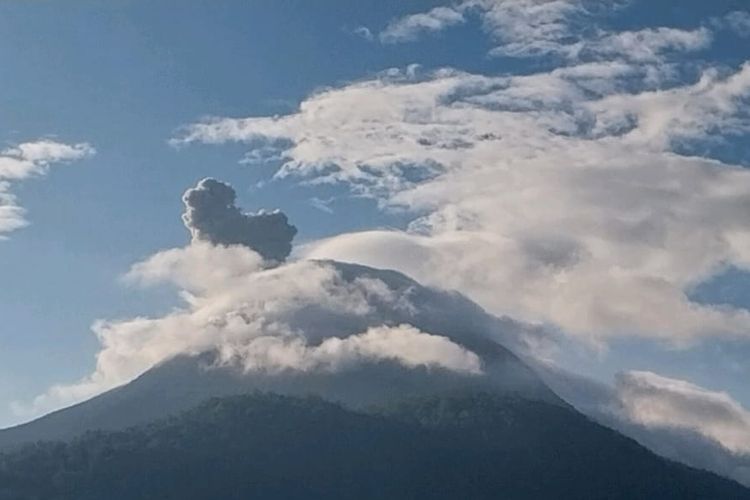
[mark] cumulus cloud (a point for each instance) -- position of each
(25, 160)
(656, 401)
(186, 267)
(211, 215)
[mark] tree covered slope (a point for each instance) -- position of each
(468, 445)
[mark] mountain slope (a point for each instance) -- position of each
(185, 381)
(472, 445)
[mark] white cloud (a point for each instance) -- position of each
(711, 107)
(554, 197)
(403, 344)
(411, 27)
(738, 21)
(12, 216)
(186, 267)
(562, 28)
(522, 28)
(321, 204)
(30, 159)
(364, 32)
(309, 316)
(656, 401)
(525, 28)
(651, 44)
(44, 152)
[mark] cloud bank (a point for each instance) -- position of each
(26, 160)
(211, 215)
(559, 197)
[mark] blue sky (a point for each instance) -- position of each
(128, 76)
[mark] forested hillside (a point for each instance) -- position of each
(470, 446)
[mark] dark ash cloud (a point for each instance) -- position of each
(211, 215)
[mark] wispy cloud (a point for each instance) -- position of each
(737, 21)
(322, 205)
(520, 28)
(527, 28)
(647, 45)
(562, 28)
(411, 27)
(25, 160)
(304, 316)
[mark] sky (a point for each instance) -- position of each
(575, 165)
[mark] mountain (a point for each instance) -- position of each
(185, 381)
(471, 445)
(181, 383)
(379, 428)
